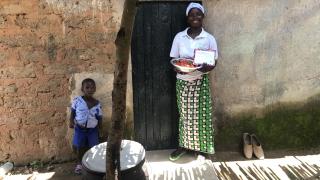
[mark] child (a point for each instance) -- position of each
(85, 118)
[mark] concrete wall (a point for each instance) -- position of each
(269, 54)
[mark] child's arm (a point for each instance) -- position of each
(72, 116)
(73, 111)
(99, 118)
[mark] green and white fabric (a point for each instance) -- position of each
(195, 110)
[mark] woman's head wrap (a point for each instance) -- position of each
(194, 5)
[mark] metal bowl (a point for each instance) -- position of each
(185, 69)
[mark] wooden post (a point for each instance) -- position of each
(123, 43)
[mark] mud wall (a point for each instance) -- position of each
(46, 48)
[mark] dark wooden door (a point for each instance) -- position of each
(154, 97)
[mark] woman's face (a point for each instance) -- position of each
(195, 18)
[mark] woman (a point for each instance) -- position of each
(193, 89)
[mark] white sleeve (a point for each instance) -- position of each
(74, 103)
(174, 53)
(99, 111)
(213, 45)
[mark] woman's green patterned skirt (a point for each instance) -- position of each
(195, 110)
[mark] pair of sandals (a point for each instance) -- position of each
(178, 153)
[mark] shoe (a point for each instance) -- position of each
(247, 145)
(201, 157)
(175, 155)
(78, 169)
(257, 147)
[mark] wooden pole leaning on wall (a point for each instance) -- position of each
(123, 43)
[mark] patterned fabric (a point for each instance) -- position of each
(85, 116)
(195, 110)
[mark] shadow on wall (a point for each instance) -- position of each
(281, 126)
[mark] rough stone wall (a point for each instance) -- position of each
(46, 47)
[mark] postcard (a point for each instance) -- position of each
(202, 56)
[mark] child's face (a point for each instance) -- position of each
(88, 88)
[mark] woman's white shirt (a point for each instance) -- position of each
(183, 46)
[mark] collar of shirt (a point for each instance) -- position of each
(203, 34)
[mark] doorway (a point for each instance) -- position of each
(154, 97)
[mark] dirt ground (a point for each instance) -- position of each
(65, 170)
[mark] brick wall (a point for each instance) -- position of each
(43, 43)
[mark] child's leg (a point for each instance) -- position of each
(93, 137)
(79, 141)
(79, 144)
(79, 155)
(79, 152)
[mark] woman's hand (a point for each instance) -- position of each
(206, 68)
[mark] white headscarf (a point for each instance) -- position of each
(194, 5)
